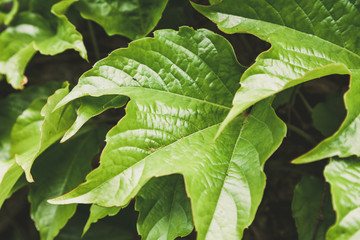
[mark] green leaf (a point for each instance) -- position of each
(130, 18)
(39, 127)
(91, 107)
(309, 39)
(10, 109)
(344, 178)
(312, 209)
(327, 116)
(58, 170)
(165, 210)
(119, 227)
(31, 32)
(98, 212)
(181, 86)
(6, 15)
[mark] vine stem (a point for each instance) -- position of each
(297, 130)
(306, 103)
(94, 41)
(320, 213)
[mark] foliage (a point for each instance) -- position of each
(189, 147)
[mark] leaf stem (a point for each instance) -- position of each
(306, 103)
(302, 133)
(94, 41)
(320, 213)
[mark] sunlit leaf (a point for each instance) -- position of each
(309, 39)
(181, 86)
(344, 178)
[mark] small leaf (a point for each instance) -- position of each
(312, 209)
(304, 46)
(58, 170)
(98, 212)
(165, 210)
(91, 107)
(31, 32)
(39, 127)
(130, 18)
(328, 116)
(344, 178)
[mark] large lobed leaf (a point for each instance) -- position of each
(181, 86)
(36, 30)
(309, 39)
(344, 178)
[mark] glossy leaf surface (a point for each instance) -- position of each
(39, 127)
(58, 170)
(309, 39)
(312, 209)
(130, 18)
(91, 107)
(344, 178)
(165, 210)
(177, 103)
(36, 30)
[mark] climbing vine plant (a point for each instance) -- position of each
(197, 128)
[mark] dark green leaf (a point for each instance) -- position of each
(130, 18)
(58, 170)
(97, 212)
(327, 116)
(312, 209)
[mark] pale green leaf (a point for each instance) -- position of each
(38, 127)
(130, 18)
(31, 32)
(91, 107)
(10, 109)
(98, 212)
(58, 170)
(309, 39)
(165, 210)
(312, 209)
(181, 86)
(344, 178)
